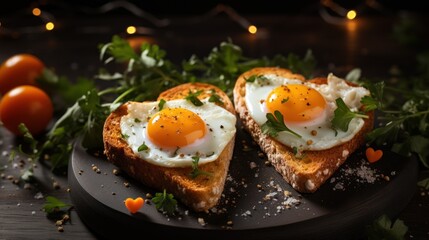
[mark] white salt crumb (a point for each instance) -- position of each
(339, 186)
(201, 221)
(38, 195)
(33, 212)
(246, 213)
(253, 165)
(363, 173)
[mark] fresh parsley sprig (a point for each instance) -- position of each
(193, 97)
(343, 115)
(275, 124)
(53, 204)
(383, 228)
(165, 202)
(196, 171)
(402, 119)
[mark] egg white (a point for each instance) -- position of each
(220, 125)
(317, 134)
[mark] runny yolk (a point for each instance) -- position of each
(296, 102)
(175, 127)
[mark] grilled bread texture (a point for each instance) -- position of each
(305, 174)
(200, 193)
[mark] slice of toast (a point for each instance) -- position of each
(303, 174)
(200, 193)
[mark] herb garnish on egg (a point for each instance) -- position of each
(343, 115)
(193, 98)
(276, 124)
(195, 169)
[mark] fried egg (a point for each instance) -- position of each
(177, 133)
(307, 109)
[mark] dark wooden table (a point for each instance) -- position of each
(71, 49)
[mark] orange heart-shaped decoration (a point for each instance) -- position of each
(372, 155)
(134, 205)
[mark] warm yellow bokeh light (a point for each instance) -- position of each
(351, 14)
(36, 12)
(252, 29)
(49, 26)
(131, 30)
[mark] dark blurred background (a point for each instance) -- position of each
(384, 33)
(163, 7)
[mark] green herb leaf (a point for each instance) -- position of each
(369, 103)
(343, 116)
(252, 78)
(275, 124)
(375, 101)
(424, 183)
(142, 147)
(215, 98)
(165, 202)
(161, 104)
(382, 228)
(195, 169)
(53, 204)
(193, 98)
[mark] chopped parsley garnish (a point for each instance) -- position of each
(383, 228)
(193, 98)
(165, 202)
(214, 97)
(275, 124)
(251, 79)
(195, 170)
(161, 104)
(142, 147)
(53, 204)
(254, 78)
(284, 100)
(343, 115)
(124, 136)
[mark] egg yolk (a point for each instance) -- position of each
(175, 127)
(296, 102)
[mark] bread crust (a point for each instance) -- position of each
(306, 174)
(200, 193)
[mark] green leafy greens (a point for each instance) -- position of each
(275, 124)
(383, 228)
(53, 204)
(165, 202)
(147, 73)
(343, 115)
(195, 169)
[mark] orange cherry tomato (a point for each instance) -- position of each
(26, 104)
(20, 69)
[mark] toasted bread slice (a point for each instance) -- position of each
(303, 174)
(200, 193)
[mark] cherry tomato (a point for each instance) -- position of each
(26, 104)
(20, 69)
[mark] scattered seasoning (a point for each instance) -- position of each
(361, 174)
(56, 185)
(95, 169)
(201, 221)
